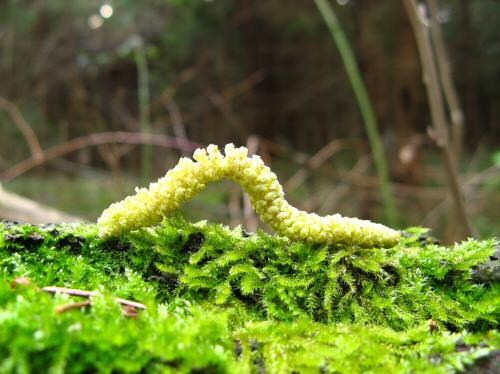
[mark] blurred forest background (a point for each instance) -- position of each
(97, 97)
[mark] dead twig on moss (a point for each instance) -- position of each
(78, 305)
(69, 291)
(130, 308)
(245, 85)
(20, 282)
(90, 294)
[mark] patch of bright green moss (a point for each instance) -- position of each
(220, 300)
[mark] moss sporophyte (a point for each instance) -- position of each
(184, 181)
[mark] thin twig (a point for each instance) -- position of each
(435, 98)
(69, 291)
(134, 304)
(450, 93)
(94, 140)
(243, 86)
(227, 93)
(177, 123)
(222, 100)
(430, 218)
(185, 76)
(23, 126)
(78, 305)
(330, 202)
(318, 159)
(89, 294)
(435, 193)
(223, 104)
(486, 174)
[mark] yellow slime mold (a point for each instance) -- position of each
(189, 177)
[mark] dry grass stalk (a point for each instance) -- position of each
(439, 131)
(23, 126)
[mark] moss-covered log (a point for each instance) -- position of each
(221, 300)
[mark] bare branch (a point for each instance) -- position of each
(177, 122)
(314, 162)
(23, 126)
(89, 294)
(78, 305)
(435, 98)
(330, 202)
(244, 86)
(450, 93)
(94, 140)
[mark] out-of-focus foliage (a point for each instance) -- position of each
(79, 61)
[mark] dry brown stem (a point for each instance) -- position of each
(450, 93)
(78, 305)
(185, 76)
(21, 282)
(177, 122)
(330, 202)
(89, 294)
(94, 140)
(318, 159)
(69, 291)
(243, 86)
(438, 114)
(23, 126)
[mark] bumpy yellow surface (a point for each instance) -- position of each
(185, 180)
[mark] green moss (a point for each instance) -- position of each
(353, 348)
(220, 300)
